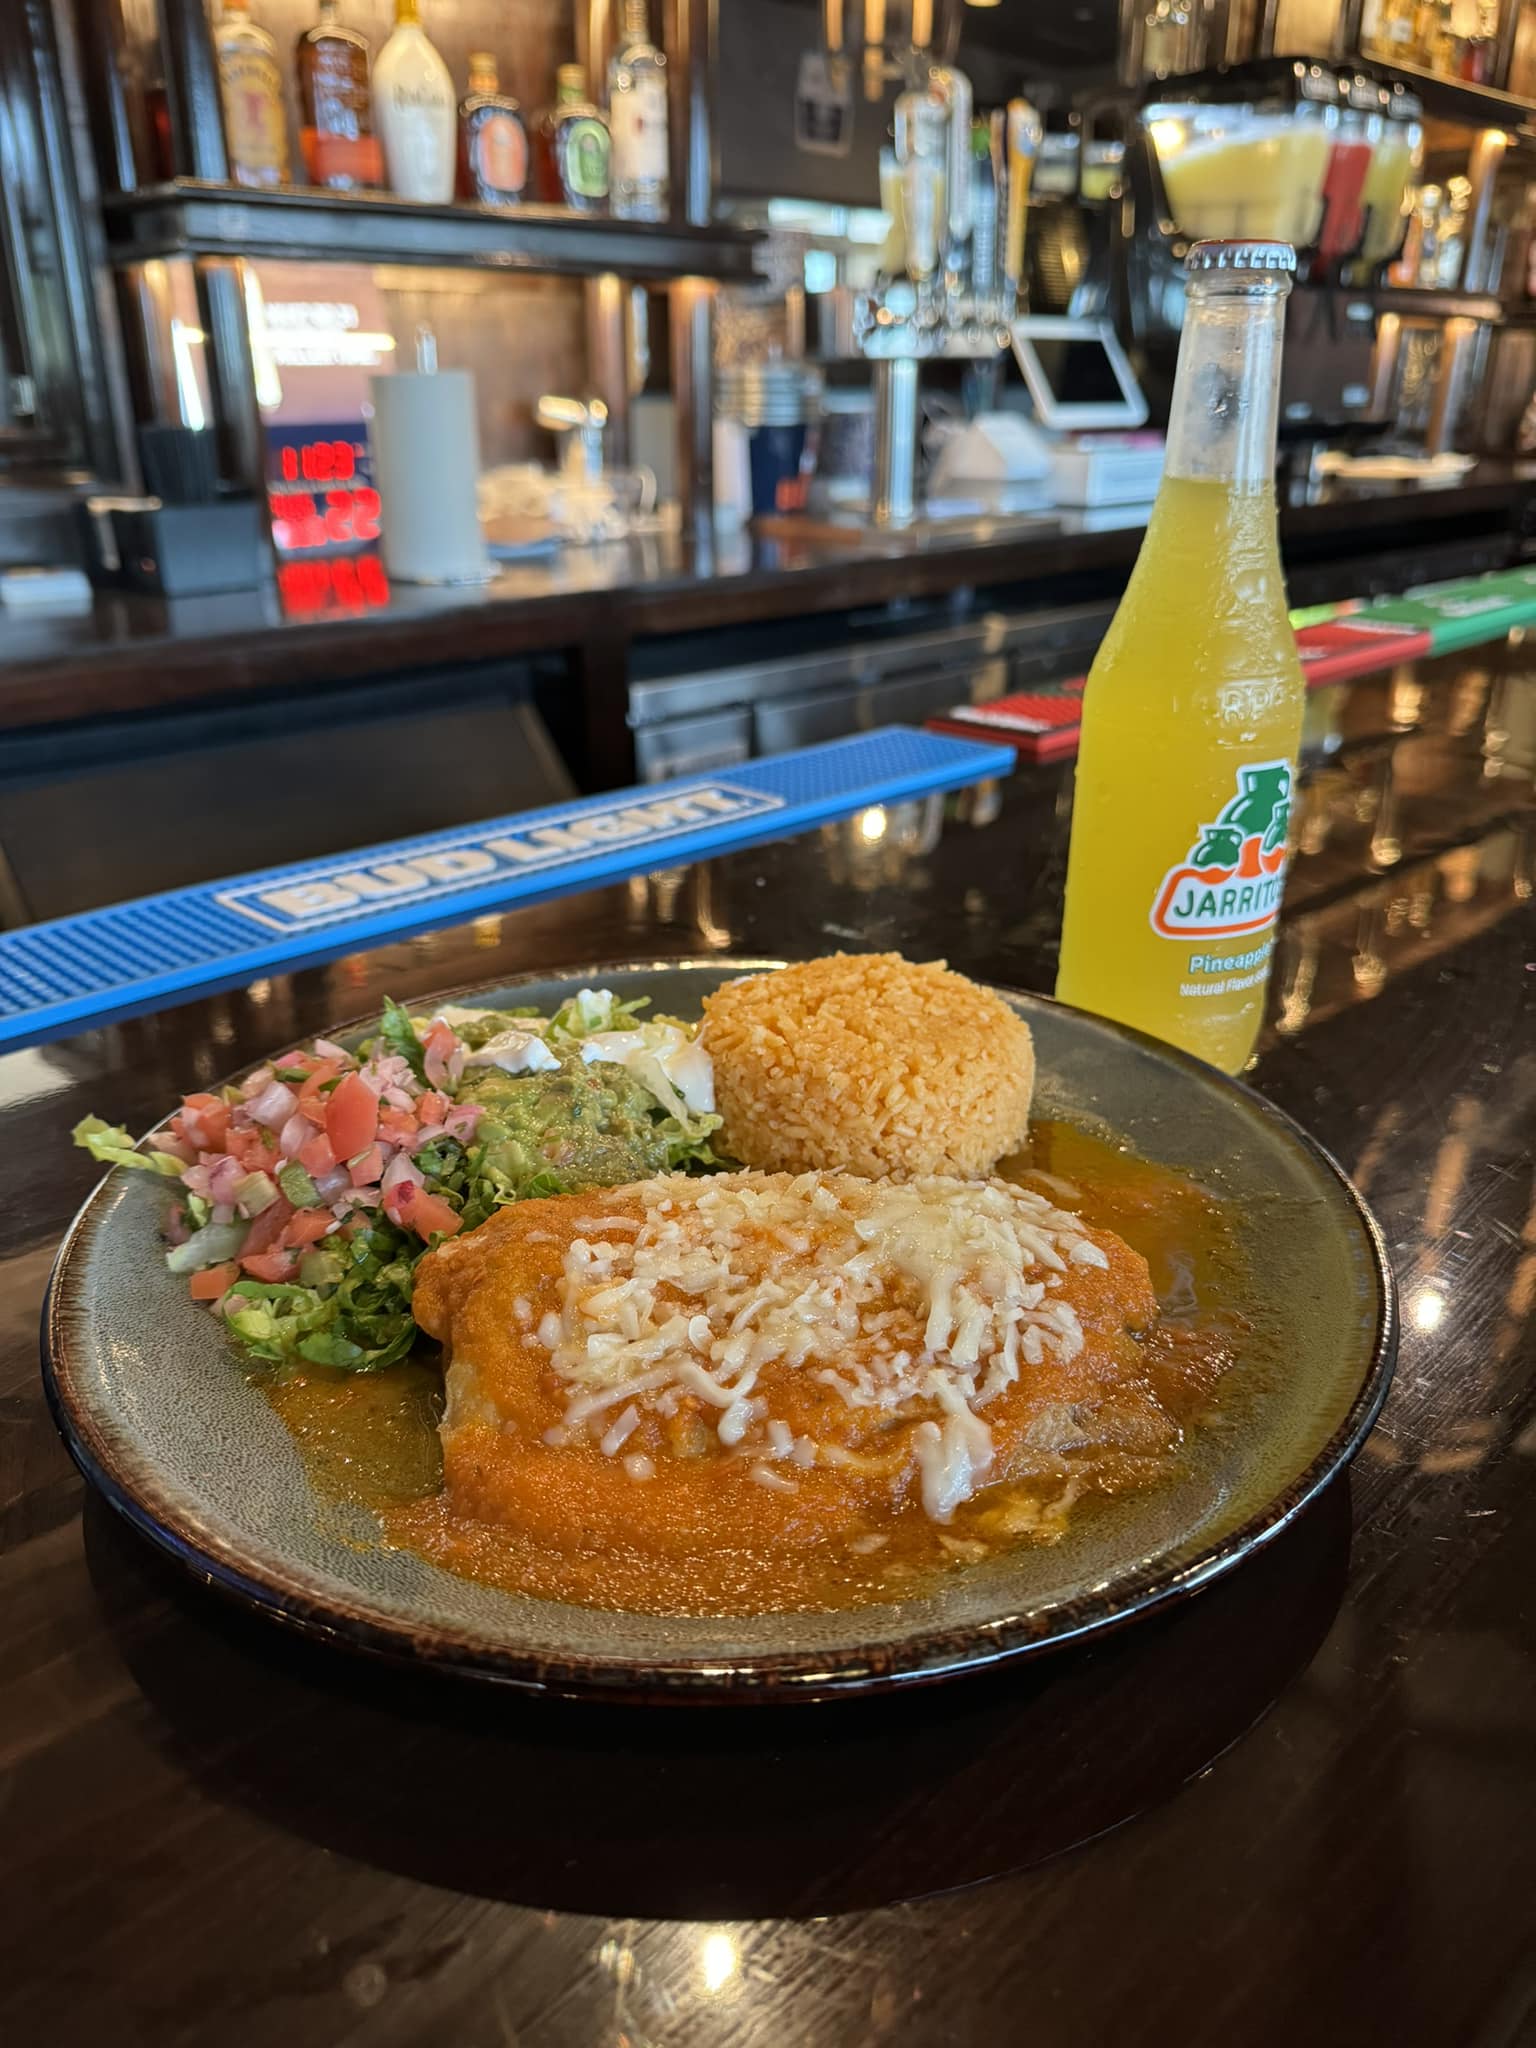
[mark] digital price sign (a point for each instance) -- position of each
(320, 490)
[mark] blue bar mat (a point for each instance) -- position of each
(137, 956)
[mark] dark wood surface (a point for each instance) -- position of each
(142, 654)
(1300, 1808)
(190, 217)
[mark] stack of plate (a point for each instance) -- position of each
(768, 394)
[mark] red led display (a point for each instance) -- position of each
(318, 462)
(303, 521)
(343, 583)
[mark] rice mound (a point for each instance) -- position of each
(868, 1064)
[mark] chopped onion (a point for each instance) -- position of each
(274, 1105)
(296, 1132)
(224, 1177)
(401, 1169)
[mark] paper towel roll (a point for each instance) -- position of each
(426, 463)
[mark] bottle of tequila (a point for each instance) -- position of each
(637, 117)
(493, 139)
(582, 148)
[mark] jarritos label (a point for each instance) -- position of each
(1230, 883)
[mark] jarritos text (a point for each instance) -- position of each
(1231, 881)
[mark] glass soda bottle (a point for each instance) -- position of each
(1192, 714)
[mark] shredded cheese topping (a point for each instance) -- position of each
(728, 1275)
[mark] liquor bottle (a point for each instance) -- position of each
(1192, 714)
(416, 111)
(335, 106)
(582, 148)
(637, 118)
(493, 142)
(251, 92)
(1388, 30)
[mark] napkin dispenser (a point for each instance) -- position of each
(185, 537)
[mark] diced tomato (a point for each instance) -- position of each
(316, 1156)
(432, 1107)
(369, 1167)
(213, 1281)
(396, 1126)
(429, 1213)
(441, 1038)
(351, 1117)
(208, 1128)
(203, 1120)
(275, 1265)
(268, 1227)
(307, 1226)
(254, 1148)
(313, 1103)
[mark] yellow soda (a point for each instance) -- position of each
(1192, 714)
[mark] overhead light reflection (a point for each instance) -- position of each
(1428, 1309)
(718, 1961)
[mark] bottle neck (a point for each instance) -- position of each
(329, 12)
(484, 79)
(407, 14)
(570, 92)
(1226, 390)
(637, 28)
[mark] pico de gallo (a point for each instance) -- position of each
(305, 1194)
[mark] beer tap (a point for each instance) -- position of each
(937, 306)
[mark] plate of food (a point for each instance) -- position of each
(718, 1330)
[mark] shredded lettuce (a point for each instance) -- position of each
(359, 1321)
(111, 1144)
(320, 1267)
(256, 1192)
(591, 1010)
(210, 1246)
(298, 1186)
(397, 1033)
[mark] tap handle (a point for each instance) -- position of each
(954, 89)
(1025, 132)
(921, 131)
(578, 427)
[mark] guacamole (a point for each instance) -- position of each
(591, 1126)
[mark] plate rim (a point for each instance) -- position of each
(927, 1656)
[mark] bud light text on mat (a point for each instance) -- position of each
(336, 889)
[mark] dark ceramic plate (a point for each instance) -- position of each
(161, 1419)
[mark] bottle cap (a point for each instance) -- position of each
(482, 60)
(1208, 256)
(572, 78)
